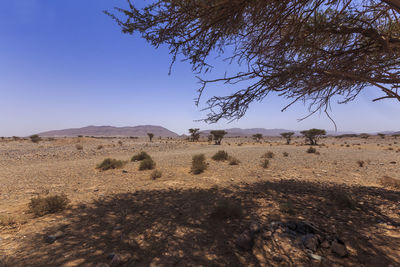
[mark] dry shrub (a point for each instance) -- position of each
(227, 209)
(311, 150)
(221, 155)
(360, 163)
(233, 161)
(109, 163)
(265, 163)
(147, 164)
(342, 199)
(51, 204)
(198, 164)
(268, 155)
(7, 220)
(285, 154)
(387, 181)
(79, 147)
(140, 156)
(100, 147)
(156, 174)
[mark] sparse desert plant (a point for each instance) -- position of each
(140, 156)
(311, 150)
(285, 154)
(150, 135)
(156, 174)
(313, 135)
(287, 206)
(79, 147)
(6, 221)
(210, 138)
(360, 163)
(257, 137)
(387, 181)
(268, 155)
(120, 143)
(265, 163)
(233, 161)
(194, 134)
(100, 147)
(50, 204)
(35, 138)
(227, 209)
(221, 155)
(110, 163)
(381, 135)
(147, 164)
(218, 135)
(199, 164)
(287, 136)
(342, 199)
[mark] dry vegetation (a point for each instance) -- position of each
(60, 207)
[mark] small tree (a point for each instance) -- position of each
(257, 137)
(287, 136)
(210, 138)
(194, 134)
(218, 135)
(381, 135)
(151, 135)
(313, 135)
(35, 138)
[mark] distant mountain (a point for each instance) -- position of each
(138, 131)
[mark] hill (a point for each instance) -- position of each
(138, 131)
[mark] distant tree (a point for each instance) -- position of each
(381, 135)
(151, 135)
(194, 134)
(364, 135)
(310, 51)
(257, 137)
(287, 136)
(35, 138)
(210, 137)
(313, 135)
(218, 135)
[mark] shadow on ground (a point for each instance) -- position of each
(175, 228)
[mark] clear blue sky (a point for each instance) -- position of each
(65, 64)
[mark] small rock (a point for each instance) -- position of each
(315, 257)
(115, 261)
(325, 244)
(311, 241)
(124, 171)
(255, 227)
(339, 249)
(52, 238)
(245, 241)
(393, 162)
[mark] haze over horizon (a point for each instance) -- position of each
(67, 65)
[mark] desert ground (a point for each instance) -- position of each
(337, 207)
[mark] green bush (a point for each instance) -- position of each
(198, 164)
(51, 204)
(140, 156)
(156, 174)
(221, 155)
(109, 163)
(147, 164)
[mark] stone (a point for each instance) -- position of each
(52, 238)
(325, 244)
(315, 257)
(245, 241)
(339, 249)
(311, 242)
(255, 227)
(115, 261)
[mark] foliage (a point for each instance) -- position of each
(199, 164)
(156, 174)
(51, 204)
(150, 135)
(140, 156)
(287, 136)
(265, 163)
(110, 163)
(221, 155)
(147, 164)
(309, 51)
(218, 135)
(35, 138)
(311, 150)
(268, 155)
(233, 161)
(313, 135)
(194, 134)
(257, 137)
